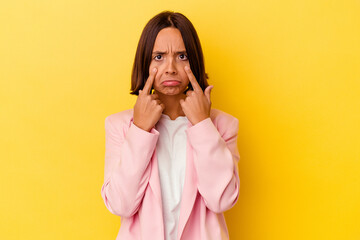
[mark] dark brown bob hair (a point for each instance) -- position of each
(143, 57)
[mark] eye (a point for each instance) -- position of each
(183, 57)
(156, 57)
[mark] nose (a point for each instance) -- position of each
(170, 66)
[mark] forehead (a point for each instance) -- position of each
(169, 39)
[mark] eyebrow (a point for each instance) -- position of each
(159, 52)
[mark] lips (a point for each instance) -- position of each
(171, 82)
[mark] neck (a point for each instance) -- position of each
(172, 105)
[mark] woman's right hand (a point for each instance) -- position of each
(148, 108)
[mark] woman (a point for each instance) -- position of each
(171, 162)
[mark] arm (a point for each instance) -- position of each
(216, 160)
(127, 168)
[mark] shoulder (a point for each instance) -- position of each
(119, 119)
(221, 118)
(226, 124)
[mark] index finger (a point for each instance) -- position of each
(192, 79)
(149, 82)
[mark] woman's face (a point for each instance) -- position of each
(169, 57)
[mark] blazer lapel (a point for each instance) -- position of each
(190, 189)
(155, 179)
(190, 185)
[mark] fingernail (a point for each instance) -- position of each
(187, 68)
(154, 69)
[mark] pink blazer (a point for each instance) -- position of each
(131, 186)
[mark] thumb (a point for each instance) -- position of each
(207, 92)
(181, 102)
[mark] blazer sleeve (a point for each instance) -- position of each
(216, 160)
(127, 168)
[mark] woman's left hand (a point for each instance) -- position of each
(197, 103)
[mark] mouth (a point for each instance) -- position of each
(171, 82)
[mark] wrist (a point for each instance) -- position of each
(200, 120)
(141, 127)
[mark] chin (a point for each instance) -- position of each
(171, 91)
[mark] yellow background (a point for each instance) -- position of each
(288, 70)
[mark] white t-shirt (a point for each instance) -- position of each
(171, 155)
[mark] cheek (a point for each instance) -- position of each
(157, 79)
(158, 73)
(152, 65)
(185, 78)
